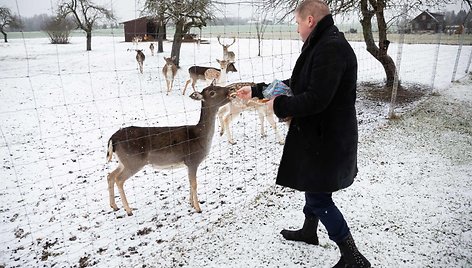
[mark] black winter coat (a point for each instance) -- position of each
(320, 153)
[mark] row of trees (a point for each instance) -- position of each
(186, 14)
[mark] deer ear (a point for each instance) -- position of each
(196, 96)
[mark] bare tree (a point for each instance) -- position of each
(85, 14)
(157, 10)
(185, 14)
(261, 25)
(7, 19)
(369, 10)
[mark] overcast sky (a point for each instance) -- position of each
(123, 9)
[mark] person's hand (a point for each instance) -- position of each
(244, 93)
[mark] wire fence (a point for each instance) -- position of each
(60, 104)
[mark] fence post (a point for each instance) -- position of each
(436, 58)
(468, 63)
(458, 56)
(402, 28)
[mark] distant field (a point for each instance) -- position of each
(271, 32)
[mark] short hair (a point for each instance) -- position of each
(316, 8)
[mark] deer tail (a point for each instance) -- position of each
(110, 150)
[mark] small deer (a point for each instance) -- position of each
(207, 74)
(140, 59)
(230, 111)
(169, 70)
(151, 47)
(227, 55)
(137, 39)
(164, 147)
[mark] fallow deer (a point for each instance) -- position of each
(137, 39)
(151, 47)
(169, 70)
(207, 74)
(230, 111)
(227, 55)
(140, 59)
(164, 147)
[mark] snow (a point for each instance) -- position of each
(409, 206)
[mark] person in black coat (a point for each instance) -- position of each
(320, 152)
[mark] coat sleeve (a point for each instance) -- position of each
(326, 70)
(257, 90)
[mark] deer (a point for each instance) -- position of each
(169, 70)
(151, 47)
(137, 39)
(230, 111)
(207, 74)
(140, 59)
(227, 55)
(166, 147)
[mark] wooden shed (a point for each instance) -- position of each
(428, 22)
(145, 27)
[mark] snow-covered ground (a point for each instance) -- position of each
(410, 205)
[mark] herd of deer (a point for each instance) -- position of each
(167, 147)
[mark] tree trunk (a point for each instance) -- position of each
(89, 40)
(160, 37)
(177, 43)
(4, 36)
(378, 52)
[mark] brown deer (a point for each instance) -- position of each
(169, 70)
(227, 55)
(164, 147)
(230, 111)
(140, 59)
(151, 47)
(207, 74)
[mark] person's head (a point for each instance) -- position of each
(308, 14)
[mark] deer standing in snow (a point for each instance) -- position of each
(169, 70)
(151, 47)
(227, 55)
(137, 39)
(230, 111)
(164, 147)
(207, 74)
(140, 59)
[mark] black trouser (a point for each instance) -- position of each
(322, 206)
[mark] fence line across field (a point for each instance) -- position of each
(60, 104)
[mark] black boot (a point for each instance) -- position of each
(350, 255)
(307, 234)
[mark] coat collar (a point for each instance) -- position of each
(326, 22)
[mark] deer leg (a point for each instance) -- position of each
(120, 180)
(140, 67)
(221, 113)
(270, 119)
(185, 88)
(168, 87)
(111, 187)
(192, 176)
(261, 119)
(193, 84)
(227, 122)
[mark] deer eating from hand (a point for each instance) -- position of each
(166, 147)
